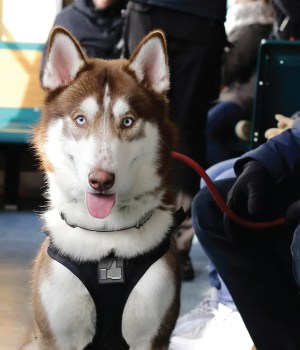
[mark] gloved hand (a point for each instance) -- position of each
(251, 190)
(254, 196)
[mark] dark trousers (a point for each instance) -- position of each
(195, 46)
(257, 269)
(220, 132)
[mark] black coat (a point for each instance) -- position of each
(98, 31)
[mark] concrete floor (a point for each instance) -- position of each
(19, 240)
(20, 237)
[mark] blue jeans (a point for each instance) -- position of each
(257, 269)
(222, 170)
(295, 249)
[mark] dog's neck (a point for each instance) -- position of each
(139, 223)
(82, 245)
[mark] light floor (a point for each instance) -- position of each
(20, 237)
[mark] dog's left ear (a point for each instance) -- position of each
(64, 59)
(149, 61)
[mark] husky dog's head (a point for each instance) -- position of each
(104, 139)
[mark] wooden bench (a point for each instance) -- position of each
(20, 100)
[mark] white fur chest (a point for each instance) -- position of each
(69, 308)
(83, 245)
(71, 311)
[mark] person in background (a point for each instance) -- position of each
(215, 321)
(96, 24)
(247, 23)
(261, 268)
(287, 24)
(195, 41)
(257, 268)
(257, 265)
(286, 27)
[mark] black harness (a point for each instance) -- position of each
(110, 282)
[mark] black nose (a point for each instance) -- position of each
(101, 180)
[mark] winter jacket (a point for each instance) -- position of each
(280, 156)
(247, 24)
(212, 9)
(98, 31)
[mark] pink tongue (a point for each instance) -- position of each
(99, 205)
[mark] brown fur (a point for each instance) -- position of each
(93, 77)
(41, 333)
(65, 100)
(168, 323)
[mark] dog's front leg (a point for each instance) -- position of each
(152, 308)
(165, 347)
(64, 313)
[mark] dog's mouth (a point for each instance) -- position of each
(99, 205)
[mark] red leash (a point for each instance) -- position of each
(222, 205)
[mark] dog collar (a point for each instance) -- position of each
(140, 223)
(179, 217)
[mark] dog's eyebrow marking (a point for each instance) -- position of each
(106, 98)
(120, 107)
(89, 106)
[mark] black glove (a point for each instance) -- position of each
(255, 196)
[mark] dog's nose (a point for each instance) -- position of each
(101, 180)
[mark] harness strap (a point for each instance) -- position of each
(110, 282)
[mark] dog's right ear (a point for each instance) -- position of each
(64, 59)
(149, 61)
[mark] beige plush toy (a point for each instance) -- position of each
(243, 127)
(283, 124)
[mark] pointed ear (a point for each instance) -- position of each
(149, 61)
(64, 59)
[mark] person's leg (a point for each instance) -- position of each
(221, 170)
(195, 79)
(223, 294)
(293, 224)
(220, 134)
(137, 25)
(194, 67)
(295, 249)
(257, 269)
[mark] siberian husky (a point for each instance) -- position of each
(107, 276)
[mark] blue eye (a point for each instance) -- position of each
(127, 122)
(80, 120)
